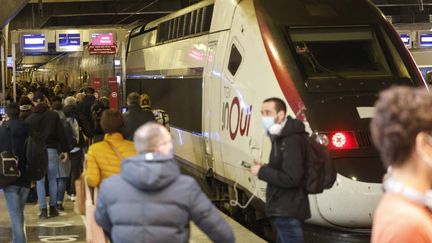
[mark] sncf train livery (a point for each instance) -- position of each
(211, 65)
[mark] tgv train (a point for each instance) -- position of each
(211, 65)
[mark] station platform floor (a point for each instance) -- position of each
(69, 227)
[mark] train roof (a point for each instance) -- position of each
(320, 12)
(199, 5)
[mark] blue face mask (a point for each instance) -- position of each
(267, 122)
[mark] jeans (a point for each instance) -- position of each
(53, 166)
(61, 189)
(288, 230)
(16, 198)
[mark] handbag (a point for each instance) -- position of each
(94, 233)
(79, 206)
(9, 170)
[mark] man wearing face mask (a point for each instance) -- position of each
(150, 201)
(287, 203)
(401, 131)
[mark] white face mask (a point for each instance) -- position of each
(275, 129)
(267, 122)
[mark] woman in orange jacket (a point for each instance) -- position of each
(104, 158)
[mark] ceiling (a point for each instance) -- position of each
(40, 14)
(406, 11)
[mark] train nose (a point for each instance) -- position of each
(349, 203)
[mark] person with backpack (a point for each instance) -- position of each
(64, 170)
(287, 203)
(47, 124)
(14, 133)
(81, 130)
(96, 113)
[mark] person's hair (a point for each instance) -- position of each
(111, 121)
(70, 100)
(279, 104)
(38, 97)
(105, 102)
(24, 100)
(12, 110)
(147, 137)
(89, 91)
(56, 98)
(145, 99)
(401, 113)
(57, 105)
(79, 97)
(133, 98)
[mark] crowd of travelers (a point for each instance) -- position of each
(141, 196)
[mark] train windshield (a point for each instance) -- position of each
(345, 52)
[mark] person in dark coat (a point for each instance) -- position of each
(159, 200)
(47, 123)
(73, 115)
(96, 110)
(135, 116)
(16, 193)
(287, 202)
(85, 105)
(25, 106)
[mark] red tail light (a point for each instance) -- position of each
(342, 140)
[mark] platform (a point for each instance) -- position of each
(69, 227)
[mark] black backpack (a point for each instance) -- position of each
(320, 170)
(9, 169)
(67, 128)
(36, 154)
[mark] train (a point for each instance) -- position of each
(212, 64)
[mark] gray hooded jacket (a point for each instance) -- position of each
(150, 201)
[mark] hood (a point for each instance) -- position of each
(150, 171)
(40, 108)
(292, 126)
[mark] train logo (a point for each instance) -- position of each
(236, 118)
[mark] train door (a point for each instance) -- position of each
(210, 97)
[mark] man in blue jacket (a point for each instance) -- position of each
(150, 201)
(287, 203)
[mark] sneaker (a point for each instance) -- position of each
(60, 207)
(72, 197)
(43, 214)
(53, 211)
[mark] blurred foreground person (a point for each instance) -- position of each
(16, 193)
(159, 201)
(402, 132)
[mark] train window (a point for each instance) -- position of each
(198, 21)
(235, 60)
(339, 52)
(208, 14)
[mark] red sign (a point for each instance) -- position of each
(97, 84)
(112, 83)
(102, 50)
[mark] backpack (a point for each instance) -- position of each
(9, 170)
(161, 117)
(320, 171)
(37, 156)
(69, 134)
